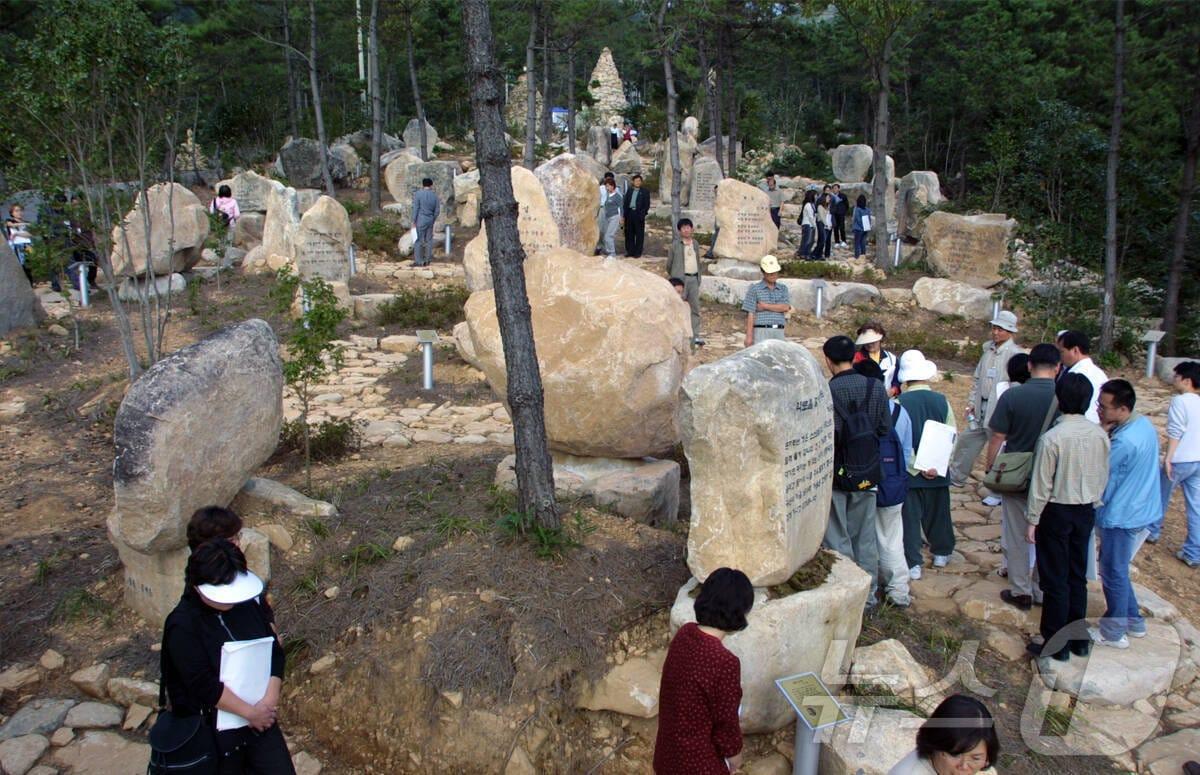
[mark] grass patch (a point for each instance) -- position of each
(364, 555)
(329, 441)
(317, 527)
(438, 309)
(548, 542)
(933, 345)
(379, 234)
(828, 270)
(353, 206)
(81, 604)
(451, 525)
(811, 575)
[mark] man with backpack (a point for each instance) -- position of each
(927, 504)
(895, 452)
(861, 417)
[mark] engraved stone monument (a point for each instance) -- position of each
(968, 248)
(574, 196)
(743, 213)
(323, 242)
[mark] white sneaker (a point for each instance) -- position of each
(991, 500)
(914, 572)
(940, 560)
(1136, 633)
(1120, 643)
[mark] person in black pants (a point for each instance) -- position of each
(841, 206)
(1070, 470)
(220, 604)
(637, 205)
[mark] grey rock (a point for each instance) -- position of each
(300, 158)
(36, 717)
(266, 495)
(18, 754)
(17, 300)
(412, 137)
(94, 715)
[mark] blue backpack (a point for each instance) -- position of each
(894, 485)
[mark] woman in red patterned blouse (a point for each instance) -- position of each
(698, 728)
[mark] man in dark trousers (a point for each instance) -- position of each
(838, 209)
(637, 205)
(425, 211)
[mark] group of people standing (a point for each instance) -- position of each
(623, 209)
(823, 222)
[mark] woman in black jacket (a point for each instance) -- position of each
(221, 604)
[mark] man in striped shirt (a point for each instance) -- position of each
(766, 305)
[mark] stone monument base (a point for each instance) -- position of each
(737, 270)
(645, 490)
(810, 631)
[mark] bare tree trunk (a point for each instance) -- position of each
(719, 107)
(530, 88)
(363, 76)
(672, 118)
(571, 99)
(547, 113)
(316, 96)
(1108, 313)
(293, 100)
(1187, 188)
(710, 105)
(881, 180)
(416, 90)
(376, 107)
(535, 474)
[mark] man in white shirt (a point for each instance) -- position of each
(1181, 465)
(1074, 346)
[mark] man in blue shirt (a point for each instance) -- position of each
(766, 304)
(1131, 503)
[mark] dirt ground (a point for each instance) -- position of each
(465, 644)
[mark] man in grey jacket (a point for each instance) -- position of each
(425, 210)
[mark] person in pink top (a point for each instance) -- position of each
(226, 205)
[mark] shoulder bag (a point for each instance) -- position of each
(1011, 471)
(181, 745)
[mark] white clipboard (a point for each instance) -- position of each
(245, 671)
(937, 442)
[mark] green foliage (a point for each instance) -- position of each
(829, 270)
(329, 441)
(364, 555)
(439, 309)
(379, 234)
(80, 605)
(548, 543)
(318, 527)
(806, 160)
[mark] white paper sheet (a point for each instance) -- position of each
(245, 671)
(937, 442)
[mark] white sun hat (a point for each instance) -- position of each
(245, 586)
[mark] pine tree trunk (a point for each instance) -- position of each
(416, 90)
(530, 89)
(376, 108)
(316, 95)
(293, 100)
(571, 99)
(535, 474)
(363, 75)
(672, 118)
(547, 113)
(1187, 188)
(881, 180)
(1108, 314)
(719, 106)
(710, 105)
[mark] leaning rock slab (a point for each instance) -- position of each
(951, 297)
(871, 744)
(17, 299)
(589, 311)
(94, 715)
(769, 404)
(572, 191)
(535, 224)
(412, 137)
(802, 632)
(889, 664)
(630, 688)
(178, 227)
(1166, 755)
(968, 248)
(919, 190)
(743, 214)
(396, 177)
(260, 494)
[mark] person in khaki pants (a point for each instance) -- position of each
(683, 264)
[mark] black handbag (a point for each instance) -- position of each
(183, 745)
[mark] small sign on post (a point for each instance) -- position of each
(816, 708)
(427, 338)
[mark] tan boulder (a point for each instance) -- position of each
(626, 160)
(968, 248)
(874, 742)
(395, 175)
(919, 190)
(851, 162)
(630, 688)
(323, 241)
(251, 190)
(889, 664)
(178, 228)
(743, 213)
(280, 227)
(951, 297)
(572, 189)
(612, 345)
(535, 223)
(769, 404)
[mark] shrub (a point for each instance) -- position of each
(439, 309)
(808, 162)
(379, 234)
(330, 440)
(828, 270)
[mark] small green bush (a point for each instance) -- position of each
(828, 270)
(330, 440)
(438, 309)
(379, 234)
(807, 162)
(353, 206)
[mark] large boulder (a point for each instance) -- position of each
(191, 430)
(803, 293)
(626, 161)
(178, 227)
(535, 223)
(412, 138)
(442, 174)
(630, 688)
(251, 190)
(950, 297)
(968, 248)
(572, 189)
(281, 225)
(851, 162)
(743, 214)
(17, 299)
(769, 404)
(687, 155)
(323, 241)
(395, 175)
(809, 631)
(1119, 677)
(919, 191)
(706, 175)
(300, 159)
(612, 346)
(248, 230)
(347, 161)
(872, 743)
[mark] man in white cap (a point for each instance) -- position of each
(991, 369)
(766, 305)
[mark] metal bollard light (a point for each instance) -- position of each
(1151, 339)
(995, 308)
(427, 338)
(353, 261)
(896, 257)
(84, 300)
(819, 286)
(447, 239)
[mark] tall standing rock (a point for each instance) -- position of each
(851, 162)
(919, 190)
(688, 148)
(323, 241)
(178, 226)
(442, 174)
(612, 343)
(535, 224)
(395, 175)
(967, 248)
(757, 430)
(574, 197)
(743, 214)
(412, 137)
(517, 104)
(280, 227)
(17, 299)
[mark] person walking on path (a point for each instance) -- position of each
(838, 209)
(895, 454)
(1070, 470)
(683, 264)
(870, 343)
(766, 305)
(1131, 503)
(861, 418)
(775, 197)
(1075, 349)
(992, 368)
(425, 209)
(1021, 415)
(808, 224)
(862, 226)
(610, 217)
(637, 205)
(1181, 465)
(927, 505)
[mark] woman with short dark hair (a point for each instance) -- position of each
(698, 728)
(220, 605)
(958, 739)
